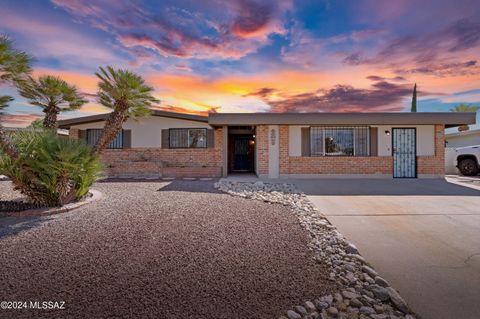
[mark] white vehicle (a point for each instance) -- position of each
(467, 160)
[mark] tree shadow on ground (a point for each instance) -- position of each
(13, 225)
(195, 186)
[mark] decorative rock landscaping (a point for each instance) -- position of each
(364, 293)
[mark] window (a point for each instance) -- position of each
(188, 137)
(94, 134)
(339, 141)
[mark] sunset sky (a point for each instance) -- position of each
(257, 55)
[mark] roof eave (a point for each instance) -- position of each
(449, 119)
(67, 123)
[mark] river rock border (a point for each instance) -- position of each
(363, 294)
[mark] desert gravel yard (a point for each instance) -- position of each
(160, 250)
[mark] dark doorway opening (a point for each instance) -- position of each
(241, 149)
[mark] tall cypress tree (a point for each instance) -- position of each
(414, 99)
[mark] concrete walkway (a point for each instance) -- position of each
(423, 236)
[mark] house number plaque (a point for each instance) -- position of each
(273, 136)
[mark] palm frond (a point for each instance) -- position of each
(127, 94)
(51, 160)
(14, 63)
(51, 91)
(4, 100)
(465, 108)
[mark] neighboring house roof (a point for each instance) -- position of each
(463, 133)
(20, 129)
(102, 117)
(449, 119)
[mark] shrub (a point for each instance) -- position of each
(51, 170)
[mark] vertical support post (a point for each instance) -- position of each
(273, 151)
(225, 151)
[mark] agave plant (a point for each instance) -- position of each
(60, 171)
(127, 94)
(53, 95)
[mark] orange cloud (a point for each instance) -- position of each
(198, 94)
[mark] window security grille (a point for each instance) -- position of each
(188, 138)
(339, 141)
(94, 134)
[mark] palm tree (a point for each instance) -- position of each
(463, 107)
(52, 94)
(14, 66)
(127, 94)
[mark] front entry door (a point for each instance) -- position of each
(404, 152)
(240, 153)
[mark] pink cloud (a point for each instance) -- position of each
(15, 120)
(183, 67)
(47, 38)
(383, 10)
(258, 19)
(239, 29)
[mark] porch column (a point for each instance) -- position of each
(273, 151)
(225, 151)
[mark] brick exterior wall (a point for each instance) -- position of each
(208, 162)
(369, 165)
(434, 165)
(163, 162)
(73, 134)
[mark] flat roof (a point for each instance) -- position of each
(449, 119)
(102, 117)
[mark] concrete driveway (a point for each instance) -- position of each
(422, 235)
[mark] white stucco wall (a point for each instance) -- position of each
(425, 140)
(147, 132)
(463, 140)
(295, 140)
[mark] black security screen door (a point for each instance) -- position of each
(241, 162)
(404, 153)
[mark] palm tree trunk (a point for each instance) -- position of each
(113, 125)
(50, 120)
(65, 189)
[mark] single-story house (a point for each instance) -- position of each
(276, 145)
